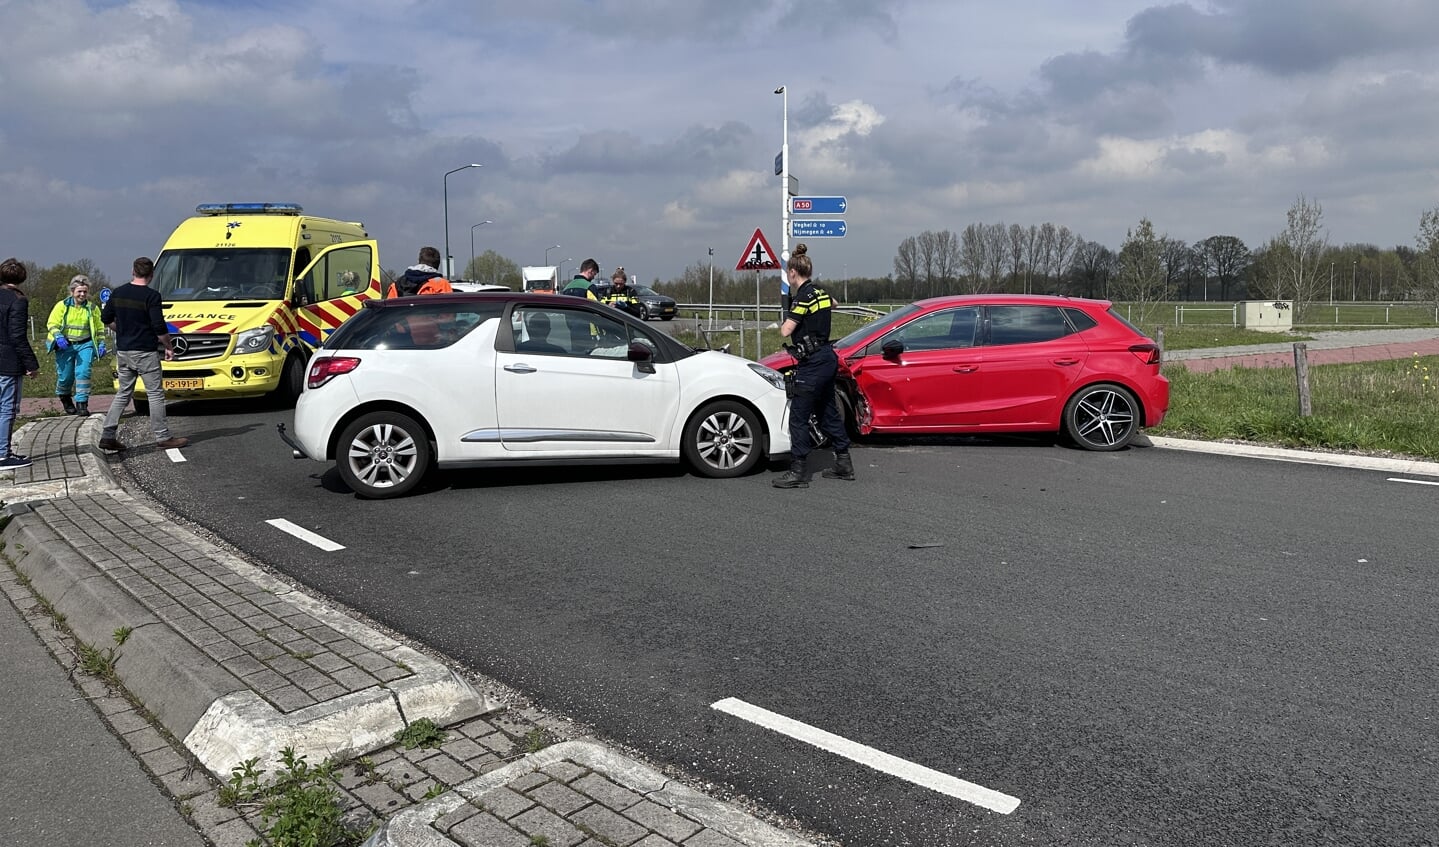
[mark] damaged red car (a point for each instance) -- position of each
(1001, 363)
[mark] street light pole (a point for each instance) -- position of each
(449, 261)
(547, 253)
(1354, 280)
(472, 243)
(784, 199)
(1331, 283)
(712, 289)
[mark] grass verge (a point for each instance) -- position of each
(1387, 407)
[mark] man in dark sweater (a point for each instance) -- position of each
(17, 359)
(135, 313)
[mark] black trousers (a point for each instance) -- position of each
(812, 393)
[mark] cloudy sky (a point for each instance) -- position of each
(643, 132)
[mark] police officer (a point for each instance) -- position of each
(620, 296)
(806, 324)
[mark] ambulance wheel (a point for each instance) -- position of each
(292, 379)
(382, 455)
(723, 440)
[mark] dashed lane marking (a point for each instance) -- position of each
(305, 535)
(1412, 481)
(870, 757)
(175, 455)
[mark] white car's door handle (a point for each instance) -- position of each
(520, 369)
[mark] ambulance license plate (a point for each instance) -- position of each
(183, 384)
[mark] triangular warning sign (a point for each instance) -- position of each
(758, 256)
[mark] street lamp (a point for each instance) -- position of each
(784, 200)
(472, 243)
(1354, 281)
(449, 262)
(547, 253)
(1331, 283)
(561, 276)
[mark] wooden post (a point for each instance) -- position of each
(1159, 339)
(1301, 372)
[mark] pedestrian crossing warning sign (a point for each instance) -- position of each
(758, 256)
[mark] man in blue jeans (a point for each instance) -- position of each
(135, 313)
(17, 359)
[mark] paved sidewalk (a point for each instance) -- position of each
(199, 662)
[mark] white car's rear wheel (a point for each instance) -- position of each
(723, 439)
(383, 454)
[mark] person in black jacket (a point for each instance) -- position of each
(17, 359)
(135, 313)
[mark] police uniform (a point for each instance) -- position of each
(812, 387)
(623, 299)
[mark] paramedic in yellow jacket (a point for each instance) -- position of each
(76, 336)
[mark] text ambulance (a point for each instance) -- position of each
(250, 290)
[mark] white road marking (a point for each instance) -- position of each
(175, 455)
(305, 535)
(870, 757)
(1411, 481)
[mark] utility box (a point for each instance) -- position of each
(1267, 315)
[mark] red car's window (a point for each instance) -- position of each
(1025, 324)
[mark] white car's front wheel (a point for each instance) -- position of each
(383, 454)
(723, 439)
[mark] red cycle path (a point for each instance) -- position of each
(1315, 355)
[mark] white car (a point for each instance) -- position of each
(464, 380)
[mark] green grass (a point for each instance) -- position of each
(1386, 407)
(102, 376)
(1191, 337)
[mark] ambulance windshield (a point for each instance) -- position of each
(222, 274)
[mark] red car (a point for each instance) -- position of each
(1001, 363)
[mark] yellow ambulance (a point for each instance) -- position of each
(250, 290)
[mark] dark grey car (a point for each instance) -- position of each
(654, 304)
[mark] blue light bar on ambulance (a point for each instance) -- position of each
(248, 209)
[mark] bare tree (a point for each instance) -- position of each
(1226, 258)
(1303, 245)
(1094, 267)
(1426, 262)
(1063, 252)
(995, 236)
(1142, 278)
(906, 265)
(973, 258)
(1016, 235)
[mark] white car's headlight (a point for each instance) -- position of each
(773, 377)
(254, 340)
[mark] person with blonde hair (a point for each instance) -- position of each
(620, 296)
(77, 338)
(807, 326)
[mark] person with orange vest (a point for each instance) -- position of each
(422, 278)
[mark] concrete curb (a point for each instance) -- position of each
(221, 720)
(420, 825)
(1309, 457)
(175, 681)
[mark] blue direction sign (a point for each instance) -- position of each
(816, 229)
(818, 205)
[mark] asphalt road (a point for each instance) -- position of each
(1147, 647)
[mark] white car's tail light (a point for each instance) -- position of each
(323, 370)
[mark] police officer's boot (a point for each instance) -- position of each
(83, 410)
(68, 404)
(795, 477)
(843, 467)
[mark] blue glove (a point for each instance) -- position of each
(61, 342)
(100, 350)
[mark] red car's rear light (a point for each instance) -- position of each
(323, 370)
(1147, 353)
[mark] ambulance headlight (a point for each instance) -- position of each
(254, 340)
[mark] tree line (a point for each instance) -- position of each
(1298, 264)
